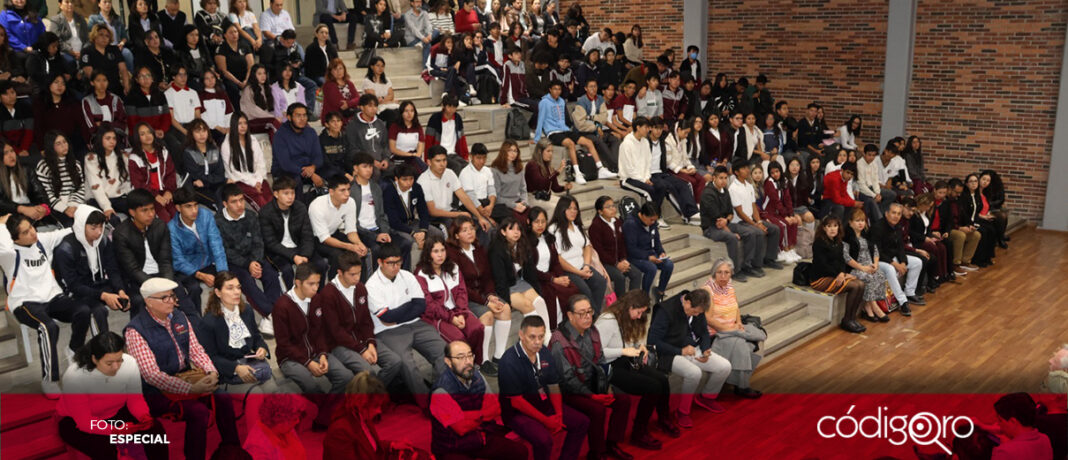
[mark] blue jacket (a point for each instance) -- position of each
(21, 34)
(191, 253)
(293, 151)
(641, 241)
(395, 209)
(552, 116)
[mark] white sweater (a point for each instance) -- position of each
(34, 281)
(100, 185)
(252, 179)
(634, 159)
(612, 338)
(677, 153)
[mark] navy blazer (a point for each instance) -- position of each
(672, 330)
(395, 208)
(214, 336)
(642, 241)
(71, 264)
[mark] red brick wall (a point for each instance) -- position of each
(984, 91)
(661, 21)
(832, 52)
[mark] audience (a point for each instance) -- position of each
(765, 248)
(734, 339)
(288, 236)
(372, 225)
(196, 245)
(447, 307)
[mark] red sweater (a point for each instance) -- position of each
(332, 97)
(298, 337)
(435, 300)
(834, 189)
(608, 241)
(538, 181)
(347, 321)
(778, 202)
(151, 108)
(477, 275)
(466, 21)
(141, 175)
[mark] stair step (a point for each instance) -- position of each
(674, 242)
(692, 256)
(688, 279)
(12, 363)
(28, 410)
(44, 447)
(790, 329)
(771, 313)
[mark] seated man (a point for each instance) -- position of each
(165, 345)
(406, 206)
(835, 192)
(894, 172)
(348, 327)
(196, 244)
(580, 363)
(464, 410)
(296, 151)
(747, 222)
(893, 262)
(446, 128)
(368, 134)
(532, 405)
(243, 240)
(288, 239)
(590, 118)
(396, 301)
(679, 192)
(372, 224)
(644, 171)
(442, 187)
(301, 344)
(477, 182)
(644, 250)
(876, 198)
(37, 299)
(330, 13)
(1057, 379)
(143, 250)
(333, 221)
(552, 123)
(85, 264)
(680, 334)
(716, 215)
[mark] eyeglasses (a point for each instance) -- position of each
(391, 262)
(465, 357)
(583, 314)
(170, 298)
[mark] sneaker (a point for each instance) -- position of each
(782, 258)
(70, 354)
(739, 277)
(267, 326)
(695, 219)
(662, 224)
(684, 420)
(471, 89)
(461, 104)
(755, 272)
(968, 267)
(50, 389)
(960, 272)
(772, 264)
(488, 368)
(709, 404)
(794, 255)
(476, 101)
(604, 173)
(579, 177)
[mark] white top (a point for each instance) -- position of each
(79, 380)
(439, 190)
(478, 183)
(379, 89)
(742, 194)
(407, 142)
(846, 139)
(35, 280)
(543, 254)
(383, 294)
(276, 24)
(366, 217)
(326, 218)
(251, 178)
(18, 193)
(104, 186)
(594, 42)
(831, 167)
(448, 136)
(245, 20)
(302, 304)
(578, 240)
(868, 176)
(446, 282)
(214, 113)
(150, 267)
(75, 40)
(654, 159)
(753, 138)
(892, 169)
(287, 239)
(346, 292)
(634, 158)
(183, 103)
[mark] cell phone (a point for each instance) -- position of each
(125, 303)
(252, 356)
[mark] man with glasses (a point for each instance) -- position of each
(464, 411)
(177, 375)
(396, 302)
(580, 362)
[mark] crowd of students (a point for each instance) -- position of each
(379, 236)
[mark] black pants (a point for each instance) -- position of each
(598, 414)
(193, 287)
(195, 413)
(351, 18)
(677, 191)
(99, 447)
(648, 384)
(286, 268)
(496, 447)
(42, 316)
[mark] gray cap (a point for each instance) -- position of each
(156, 285)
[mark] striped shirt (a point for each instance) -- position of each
(67, 195)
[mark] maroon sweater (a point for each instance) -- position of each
(298, 337)
(477, 275)
(347, 321)
(607, 241)
(536, 180)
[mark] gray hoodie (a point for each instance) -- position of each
(416, 27)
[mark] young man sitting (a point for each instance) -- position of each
(288, 239)
(333, 221)
(446, 128)
(406, 205)
(85, 264)
(644, 171)
(477, 181)
(644, 250)
(441, 187)
(296, 151)
(243, 240)
(552, 123)
(748, 223)
(716, 215)
(372, 224)
(196, 244)
(368, 134)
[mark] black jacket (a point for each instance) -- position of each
(214, 335)
(889, 241)
(918, 232)
(827, 260)
(34, 192)
(714, 205)
(282, 57)
(969, 205)
(672, 330)
(315, 61)
(193, 66)
(71, 265)
(399, 218)
(504, 275)
(162, 65)
(241, 238)
(130, 250)
(172, 28)
(300, 231)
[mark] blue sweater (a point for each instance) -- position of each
(641, 241)
(551, 116)
(293, 150)
(20, 33)
(191, 253)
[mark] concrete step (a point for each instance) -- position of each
(791, 328)
(688, 279)
(481, 135)
(674, 242)
(29, 431)
(692, 256)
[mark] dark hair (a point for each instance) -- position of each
(531, 321)
(782, 177)
(404, 170)
(184, 195)
(435, 151)
(850, 167)
(426, 264)
(479, 149)
(241, 159)
(601, 201)
(347, 260)
(70, 164)
(230, 190)
(101, 344)
(996, 187)
(400, 114)
(305, 270)
(871, 148)
(559, 220)
(196, 125)
(284, 183)
(367, 99)
(723, 170)
(13, 223)
(102, 161)
(95, 218)
(371, 73)
(631, 330)
(520, 252)
(387, 250)
(449, 100)
(335, 181)
(139, 198)
(454, 229)
(214, 306)
(739, 164)
(361, 158)
(778, 105)
(850, 236)
(649, 209)
(699, 298)
(821, 230)
(849, 125)
(294, 107)
(261, 94)
(640, 121)
(1017, 406)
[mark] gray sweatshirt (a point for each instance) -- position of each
(416, 27)
(511, 186)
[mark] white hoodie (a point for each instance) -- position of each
(35, 281)
(92, 251)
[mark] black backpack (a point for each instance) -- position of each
(627, 206)
(801, 274)
(587, 165)
(517, 126)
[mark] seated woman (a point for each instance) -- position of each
(847, 134)
(447, 307)
(203, 164)
(248, 25)
(61, 178)
(337, 159)
(244, 162)
(275, 435)
(778, 208)
(799, 189)
(103, 383)
(514, 274)
(376, 83)
(152, 168)
(576, 252)
(555, 286)
(829, 272)
(46, 61)
(217, 107)
(510, 184)
(234, 60)
(922, 237)
(58, 110)
(406, 138)
(20, 191)
(733, 340)
(472, 261)
(118, 37)
(975, 212)
(606, 235)
(107, 177)
(378, 28)
(232, 340)
(622, 326)
(993, 189)
(678, 158)
(103, 106)
(863, 257)
(339, 93)
(542, 179)
(285, 91)
(257, 103)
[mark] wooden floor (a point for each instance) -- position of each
(991, 333)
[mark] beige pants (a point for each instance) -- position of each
(964, 245)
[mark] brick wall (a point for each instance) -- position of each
(984, 91)
(832, 52)
(661, 20)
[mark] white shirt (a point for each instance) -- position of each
(543, 255)
(868, 176)
(654, 160)
(75, 40)
(439, 190)
(79, 380)
(287, 239)
(846, 139)
(251, 178)
(35, 280)
(742, 194)
(407, 142)
(183, 103)
(214, 112)
(302, 304)
(366, 219)
(448, 135)
(192, 228)
(892, 169)
(245, 20)
(276, 24)
(578, 240)
(384, 294)
(326, 218)
(477, 183)
(150, 267)
(594, 42)
(634, 157)
(346, 292)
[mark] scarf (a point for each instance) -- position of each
(238, 331)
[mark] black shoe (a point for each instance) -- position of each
(1006, 238)
(867, 317)
(616, 451)
(488, 368)
(852, 326)
(917, 300)
(883, 319)
(319, 427)
(905, 310)
(646, 441)
(669, 427)
(747, 393)
(1002, 245)
(756, 272)
(740, 277)
(772, 264)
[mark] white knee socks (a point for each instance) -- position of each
(486, 342)
(500, 337)
(542, 310)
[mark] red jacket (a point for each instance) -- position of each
(435, 299)
(347, 321)
(477, 275)
(466, 22)
(140, 174)
(332, 98)
(607, 241)
(298, 337)
(834, 189)
(778, 201)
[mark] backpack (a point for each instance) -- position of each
(801, 274)
(488, 88)
(517, 126)
(587, 165)
(627, 206)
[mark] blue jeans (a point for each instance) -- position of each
(649, 269)
(309, 90)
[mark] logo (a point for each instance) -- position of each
(318, 312)
(923, 428)
(363, 299)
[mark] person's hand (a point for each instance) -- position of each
(484, 223)
(900, 267)
(721, 223)
(159, 134)
(648, 182)
(465, 426)
(554, 423)
(205, 385)
(858, 204)
(871, 269)
(307, 171)
(562, 281)
(257, 44)
(205, 278)
(923, 253)
(111, 300)
(631, 352)
(520, 207)
(689, 350)
(701, 359)
(568, 186)
(255, 269)
(654, 259)
(198, 183)
(245, 373)
(841, 278)
(359, 249)
(315, 369)
(261, 353)
(495, 305)
(316, 180)
(966, 230)
(563, 166)
(339, 17)
(761, 226)
(386, 34)
(623, 266)
(382, 164)
(370, 354)
(605, 400)
(299, 259)
(324, 364)
(108, 214)
(383, 238)
(457, 321)
(879, 198)
(485, 211)
(70, 211)
(587, 272)
(420, 239)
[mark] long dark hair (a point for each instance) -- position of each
(214, 302)
(51, 159)
(849, 125)
(996, 189)
(101, 155)
(560, 220)
(909, 150)
(520, 252)
(426, 263)
(240, 159)
(22, 182)
(27, 13)
(821, 230)
(782, 176)
(286, 85)
(261, 94)
(135, 145)
(376, 60)
(101, 344)
(501, 162)
(400, 114)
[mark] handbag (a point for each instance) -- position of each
(365, 57)
(191, 376)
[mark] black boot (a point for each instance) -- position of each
(851, 325)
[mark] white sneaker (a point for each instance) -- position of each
(695, 219)
(471, 89)
(69, 353)
(267, 326)
(604, 173)
(797, 257)
(579, 178)
(50, 389)
(662, 224)
(476, 101)
(781, 258)
(461, 104)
